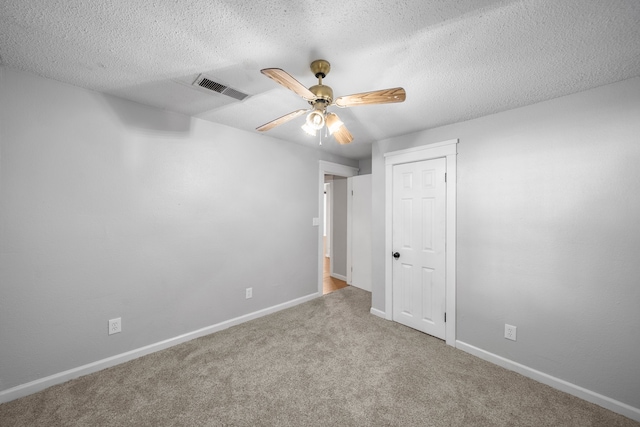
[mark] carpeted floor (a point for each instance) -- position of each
(327, 362)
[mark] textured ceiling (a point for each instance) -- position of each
(457, 60)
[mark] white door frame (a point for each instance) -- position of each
(328, 168)
(447, 150)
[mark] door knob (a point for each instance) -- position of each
(396, 255)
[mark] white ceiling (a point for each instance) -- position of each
(457, 60)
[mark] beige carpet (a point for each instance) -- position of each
(327, 362)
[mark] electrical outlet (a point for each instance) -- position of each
(510, 332)
(248, 293)
(115, 326)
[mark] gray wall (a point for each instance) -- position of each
(109, 208)
(339, 226)
(364, 167)
(548, 235)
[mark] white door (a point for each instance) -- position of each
(419, 245)
(360, 232)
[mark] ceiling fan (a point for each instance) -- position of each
(320, 97)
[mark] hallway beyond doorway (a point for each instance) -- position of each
(330, 284)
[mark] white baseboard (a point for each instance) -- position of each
(378, 313)
(42, 383)
(562, 385)
(339, 276)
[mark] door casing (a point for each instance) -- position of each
(448, 151)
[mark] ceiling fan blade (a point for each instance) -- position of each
(286, 80)
(342, 135)
(384, 96)
(280, 120)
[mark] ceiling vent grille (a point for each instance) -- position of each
(206, 83)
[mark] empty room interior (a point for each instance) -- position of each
(174, 171)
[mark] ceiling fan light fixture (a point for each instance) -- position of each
(308, 129)
(333, 122)
(315, 120)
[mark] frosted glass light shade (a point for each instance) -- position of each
(308, 129)
(315, 120)
(333, 123)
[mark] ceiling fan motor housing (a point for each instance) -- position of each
(323, 93)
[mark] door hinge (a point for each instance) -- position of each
(445, 317)
(352, 192)
(445, 177)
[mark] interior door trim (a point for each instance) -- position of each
(448, 150)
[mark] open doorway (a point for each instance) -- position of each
(334, 266)
(336, 170)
